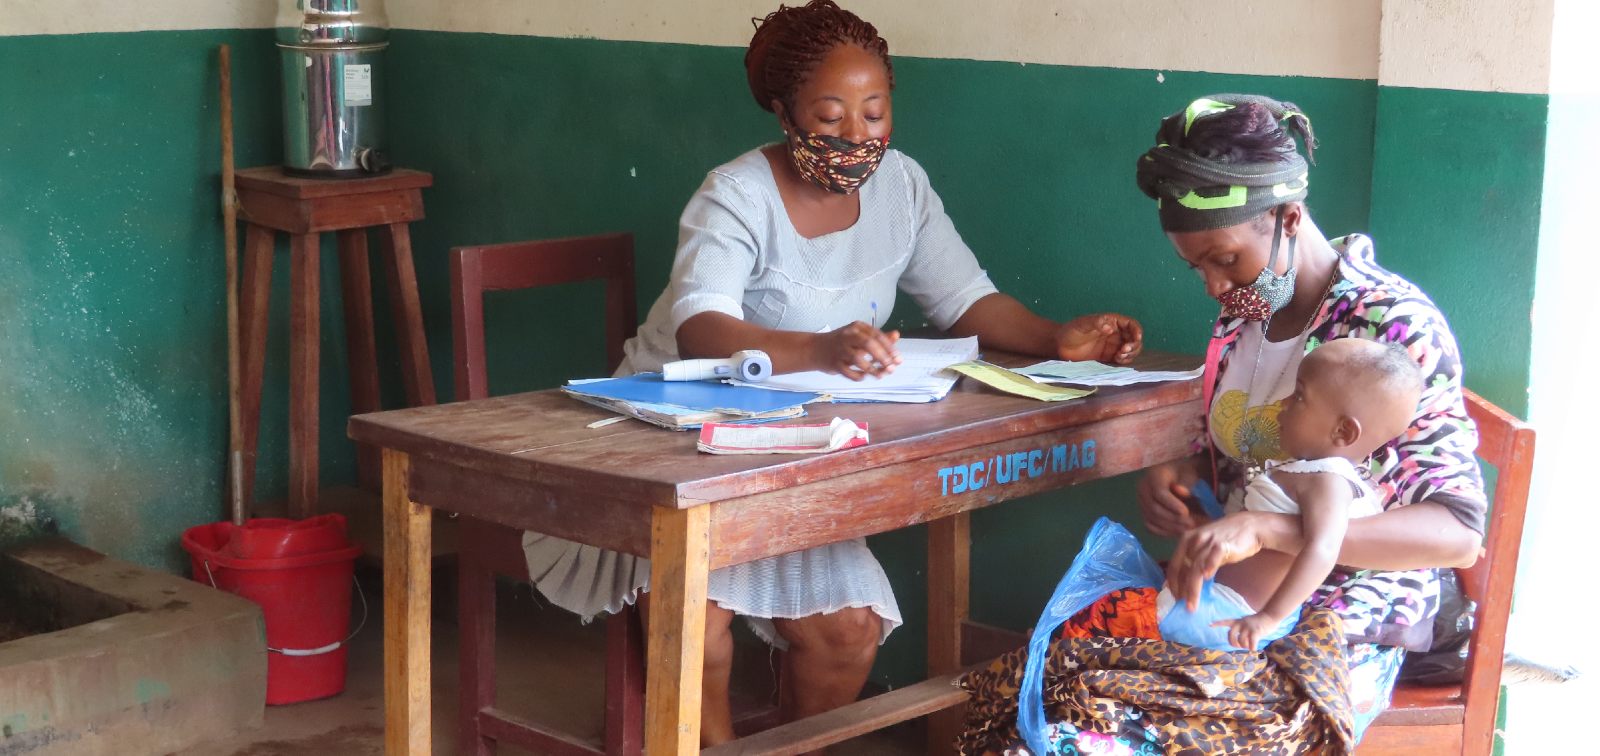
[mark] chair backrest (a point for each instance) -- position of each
(523, 265)
(1507, 443)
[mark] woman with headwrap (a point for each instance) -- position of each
(1230, 191)
(1230, 188)
(797, 248)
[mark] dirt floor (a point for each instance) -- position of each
(550, 670)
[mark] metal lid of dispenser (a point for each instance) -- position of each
(324, 24)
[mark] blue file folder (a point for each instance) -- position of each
(704, 396)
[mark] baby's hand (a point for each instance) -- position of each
(1245, 632)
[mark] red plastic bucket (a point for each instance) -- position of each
(303, 588)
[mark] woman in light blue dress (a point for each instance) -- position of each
(799, 249)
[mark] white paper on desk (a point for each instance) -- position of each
(722, 438)
(920, 376)
(1089, 373)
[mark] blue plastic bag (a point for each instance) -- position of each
(1111, 559)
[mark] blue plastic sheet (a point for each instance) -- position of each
(1111, 559)
(1195, 628)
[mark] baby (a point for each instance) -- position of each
(1351, 397)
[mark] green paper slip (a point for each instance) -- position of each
(1012, 382)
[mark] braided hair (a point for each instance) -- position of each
(791, 41)
(1250, 133)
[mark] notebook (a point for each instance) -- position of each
(683, 405)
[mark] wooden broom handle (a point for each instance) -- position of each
(230, 236)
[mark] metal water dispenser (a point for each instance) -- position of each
(333, 78)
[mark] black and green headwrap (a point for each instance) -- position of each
(1196, 193)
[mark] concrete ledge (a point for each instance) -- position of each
(154, 663)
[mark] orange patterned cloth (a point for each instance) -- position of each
(1123, 613)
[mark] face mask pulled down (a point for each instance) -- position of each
(1270, 292)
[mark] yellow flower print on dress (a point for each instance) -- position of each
(1248, 434)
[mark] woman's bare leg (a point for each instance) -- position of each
(828, 660)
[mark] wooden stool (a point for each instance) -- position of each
(270, 201)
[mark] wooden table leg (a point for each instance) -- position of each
(680, 555)
(305, 334)
(355, 276)
(949, 584)
(407, 594)
(476, 617)
(402, 273)
(253, 300)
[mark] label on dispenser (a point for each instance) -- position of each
(357, 85)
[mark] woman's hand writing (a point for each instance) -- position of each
(857, 351)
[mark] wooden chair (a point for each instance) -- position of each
(1461, 718)
(489, 550)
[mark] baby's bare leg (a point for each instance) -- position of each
(1258, 577)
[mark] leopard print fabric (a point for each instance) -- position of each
(1291, 699)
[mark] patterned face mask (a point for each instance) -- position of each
(835, 164)
(1269, 292)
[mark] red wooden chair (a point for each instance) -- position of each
(1461, 718)
(488, 550)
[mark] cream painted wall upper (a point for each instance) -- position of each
(1490, 45)
(1481, 45)
(85, 16)
(1331, 39)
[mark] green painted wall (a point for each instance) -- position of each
(1456, 186)
(113, 378)
(112, 374)
(531, 137)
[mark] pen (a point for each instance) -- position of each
(874, 314)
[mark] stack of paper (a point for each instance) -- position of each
(684, 405)
(920, 376)
(1087, 373)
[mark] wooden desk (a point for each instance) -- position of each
(527, 461)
